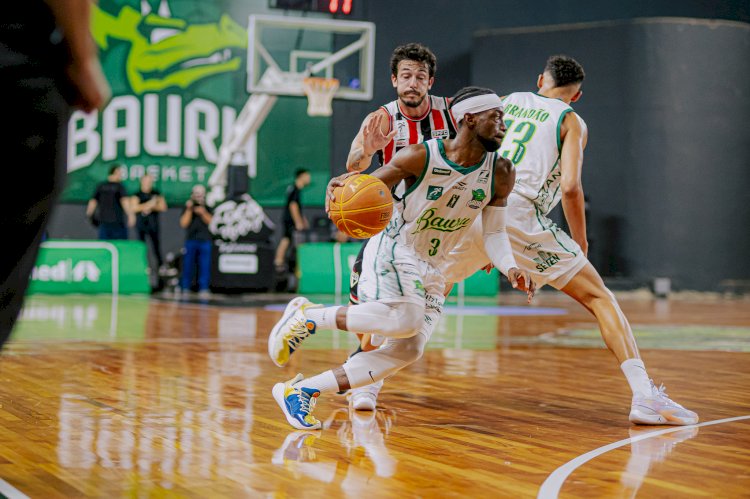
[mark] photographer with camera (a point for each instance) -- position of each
(195, 219)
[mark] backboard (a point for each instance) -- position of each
(286, 50)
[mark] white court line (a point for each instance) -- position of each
(552, 485)
(9, 491)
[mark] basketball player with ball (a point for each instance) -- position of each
(401, 289)
(545, 141)
(413, 117)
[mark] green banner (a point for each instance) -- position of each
(90, 267)
(178, 76)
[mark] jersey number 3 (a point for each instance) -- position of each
(433, 250)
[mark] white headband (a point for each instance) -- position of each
(476, 104)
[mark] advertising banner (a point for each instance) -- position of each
(90, 267)
(178, 75)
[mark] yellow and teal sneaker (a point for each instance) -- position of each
(290, 331)
(297, 404)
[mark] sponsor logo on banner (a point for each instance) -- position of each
(434, 192)
(238, 264)
(171, 68)
(232, 220)
(65, 271)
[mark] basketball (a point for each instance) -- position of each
(362, 206)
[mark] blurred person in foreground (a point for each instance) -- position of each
(48, 66)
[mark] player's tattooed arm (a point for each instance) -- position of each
(373, 136)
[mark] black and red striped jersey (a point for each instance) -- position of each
(436, 123)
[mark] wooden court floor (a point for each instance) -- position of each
(152, 397)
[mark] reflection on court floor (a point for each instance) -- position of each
(110, 396)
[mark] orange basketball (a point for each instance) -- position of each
(362, 206)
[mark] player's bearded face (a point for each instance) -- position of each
(490, 144)
(491, 130)
(412, 82)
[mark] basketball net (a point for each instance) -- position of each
(319, 93)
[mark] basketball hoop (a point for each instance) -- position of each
(319, 93)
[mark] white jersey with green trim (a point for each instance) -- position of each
(532, 143)
(438, 209)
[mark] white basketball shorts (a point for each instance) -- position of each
(539, 246)
(392, 273)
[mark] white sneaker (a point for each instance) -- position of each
(365, 398)
(293, 328)
(658, 409)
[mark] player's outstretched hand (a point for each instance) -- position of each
(336, 182)
(521, 280)
(373, 138)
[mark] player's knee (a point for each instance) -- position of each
(602, 301)
(414, 349)
(603, 294)
(406, 350)
(405, 321)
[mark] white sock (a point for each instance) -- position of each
(324, 318)
(635, 373)
(323, 382)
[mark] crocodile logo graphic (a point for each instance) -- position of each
(165, 51)
(477, 196)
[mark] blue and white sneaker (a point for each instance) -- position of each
(297, 403)
(290, 331)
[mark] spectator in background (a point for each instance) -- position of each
(292, 220)
(48, 65)
(109, 208)
(147, 203)
(195, 219)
